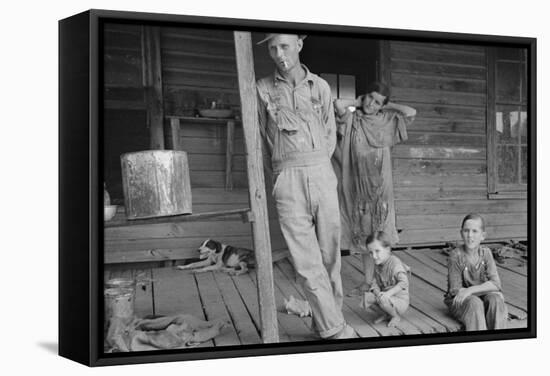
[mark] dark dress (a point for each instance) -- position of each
(362, 162)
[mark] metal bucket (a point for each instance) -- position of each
(125, 283)
(156, 183)
(120, 297)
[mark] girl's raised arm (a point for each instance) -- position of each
(407, 111)
(340, 105)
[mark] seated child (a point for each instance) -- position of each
(390, 286)
(474, 292)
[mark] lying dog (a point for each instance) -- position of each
(218, 256)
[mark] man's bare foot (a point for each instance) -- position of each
(345, 333)
(394, 321)
(380, 319)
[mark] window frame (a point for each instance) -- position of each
(494, 189)
(338, 77)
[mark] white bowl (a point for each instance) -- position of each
(217, 113)
(109, 212)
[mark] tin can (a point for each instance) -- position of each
(119, 303)
(120, 296)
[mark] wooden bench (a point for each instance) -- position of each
(217, 213)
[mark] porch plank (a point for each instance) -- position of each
(296, 329)
(288, 288)
(214, 308)
(249, 293)
(175, 292)
(362, 328)
(424, 323)
(144, 293)
(515, 266)
(246, 330)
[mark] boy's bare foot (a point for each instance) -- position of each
(380, 319)
(359, 290)
(394, 321)
(364, 304)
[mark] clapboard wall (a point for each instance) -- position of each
(440, 172)
(124, 117)
(198, 67)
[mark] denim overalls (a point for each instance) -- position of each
(299, 131)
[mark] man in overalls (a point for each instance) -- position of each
(296, 120)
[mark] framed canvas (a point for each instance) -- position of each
(236, 187)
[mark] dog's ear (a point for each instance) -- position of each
(204, 243)
(214, 245)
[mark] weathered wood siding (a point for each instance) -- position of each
(123, 67)
(125, 116)
(440, 173)
(198, 66)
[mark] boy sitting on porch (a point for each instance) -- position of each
(390, 287)
(474, 294)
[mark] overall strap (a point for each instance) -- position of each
(315, 94)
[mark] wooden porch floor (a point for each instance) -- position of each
(234, 298)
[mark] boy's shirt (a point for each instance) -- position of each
(463, 274)
(391, 273)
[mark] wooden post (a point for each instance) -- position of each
(175, 127)
(152, 75)
(384, 63)
(229, 155)
(492, 165)
(256, 186)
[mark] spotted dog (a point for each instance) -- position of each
(217, 256)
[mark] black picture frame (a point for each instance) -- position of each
(80, 150)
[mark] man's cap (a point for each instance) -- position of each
(269, 36)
